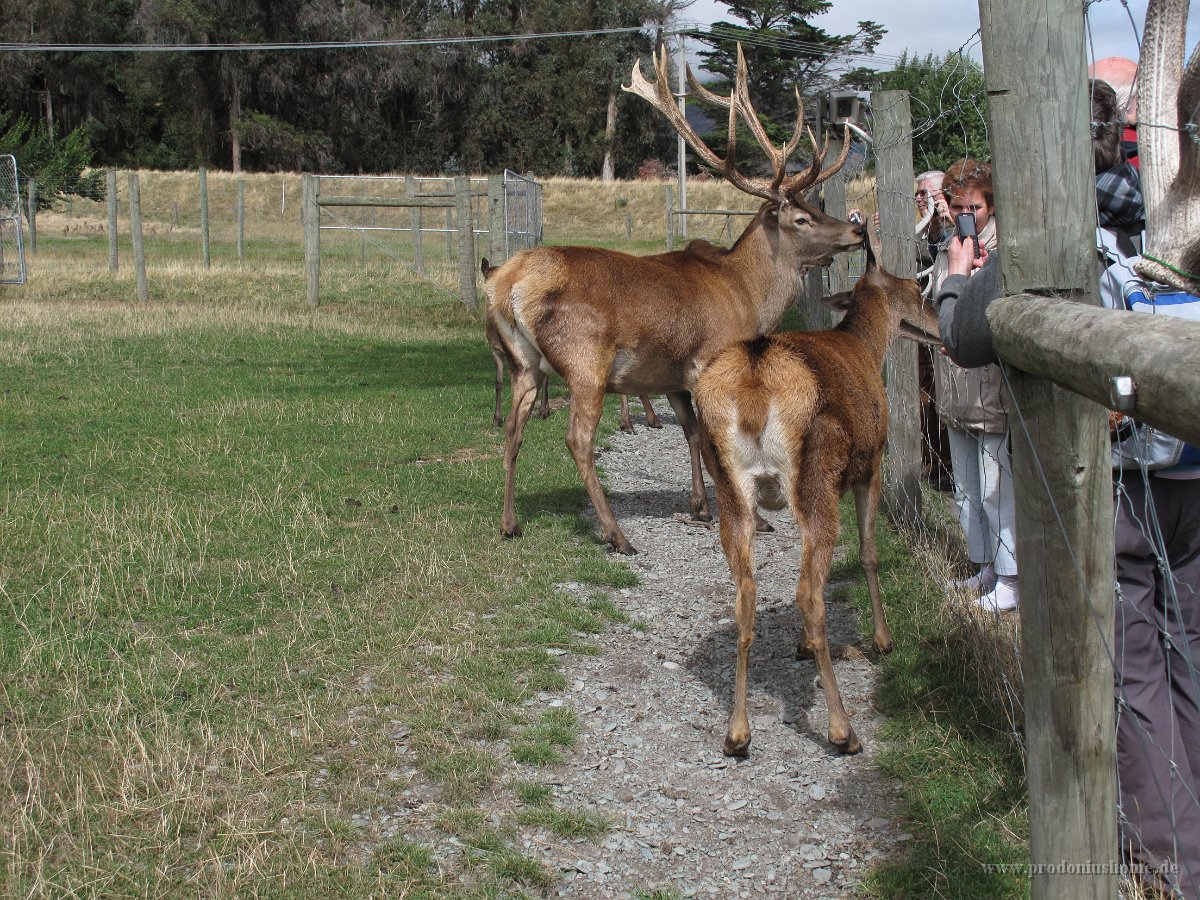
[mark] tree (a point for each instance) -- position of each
(56, 164)
(948, 106)
(784, 53)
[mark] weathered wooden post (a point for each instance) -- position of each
(31, 212)
(205, 248)
(496, 224)
(670, 221)
(241, 219)
(1038, 115)
(834, 192)
(135, 230)
(310, 216)
(410, 190)
(466, 241)
(110, 189)
(893, 189)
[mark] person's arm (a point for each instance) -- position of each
(962, 303)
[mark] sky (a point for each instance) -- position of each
(923, 26)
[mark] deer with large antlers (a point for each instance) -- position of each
(611, 322)
(795, 420)
(1169, 148)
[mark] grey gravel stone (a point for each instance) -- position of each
(652, 707)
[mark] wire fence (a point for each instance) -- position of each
(965, 535)
(218, 220)
(12, 250)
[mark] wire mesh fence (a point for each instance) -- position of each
(12, 248)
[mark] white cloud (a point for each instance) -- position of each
(923, 26)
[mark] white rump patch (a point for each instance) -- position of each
(762, 464)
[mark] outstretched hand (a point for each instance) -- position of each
(961, 258)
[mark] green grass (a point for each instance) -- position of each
(250, 552)
(962, 776)
(253, 596)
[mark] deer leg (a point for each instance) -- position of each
(524, 390)
(652, 419)
(737, 539)
(544, 393)
(818, 534)
(626, 425)
(498, 359)
(587, 404)
(681, 402)
(866, 505)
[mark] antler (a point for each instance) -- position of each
(781, 186)
(1168, 97)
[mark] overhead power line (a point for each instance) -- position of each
(694, 29)
(39, 47)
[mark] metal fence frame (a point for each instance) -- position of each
(12, 261)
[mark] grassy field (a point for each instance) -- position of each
(252, 587)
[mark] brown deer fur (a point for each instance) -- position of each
(611, 322)
(798, 419)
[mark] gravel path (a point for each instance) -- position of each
(795, 818)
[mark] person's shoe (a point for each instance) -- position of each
(977, 584)
(1003, 597)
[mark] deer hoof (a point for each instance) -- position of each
(621, 545)
(848, 745)
(884, 646)
(511, 532)
(736, 748)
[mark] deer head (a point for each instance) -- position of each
(818, 235)
(1169, 148)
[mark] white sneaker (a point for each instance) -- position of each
(1003, 597)
(977, 584)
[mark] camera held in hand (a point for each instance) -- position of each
(965, 226)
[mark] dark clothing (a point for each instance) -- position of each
(962, 304)
(1119, 199)
(1156, 651)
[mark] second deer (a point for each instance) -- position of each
(796, 419)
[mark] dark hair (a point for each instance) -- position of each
(1107, 126)
(967, 175)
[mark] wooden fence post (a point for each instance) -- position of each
(893, 190)
(110, 189)
(135, 229)
(834, 192)
(410, 190)
(1038, 115)
(670, 221)
(466, 241)
(31, 212)
(310, 216)
(205, 247)
(241, 219)
(497, 226)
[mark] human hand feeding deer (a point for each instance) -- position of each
(610, 322)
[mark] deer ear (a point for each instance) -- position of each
(839, 302)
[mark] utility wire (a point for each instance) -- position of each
(304, 45)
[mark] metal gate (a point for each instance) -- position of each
(12, 249)
(522, 213)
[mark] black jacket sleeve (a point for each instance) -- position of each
(962, 304)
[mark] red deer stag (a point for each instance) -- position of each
(796, 419)
(1168, 97)
(611, 322)
(493, 339)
